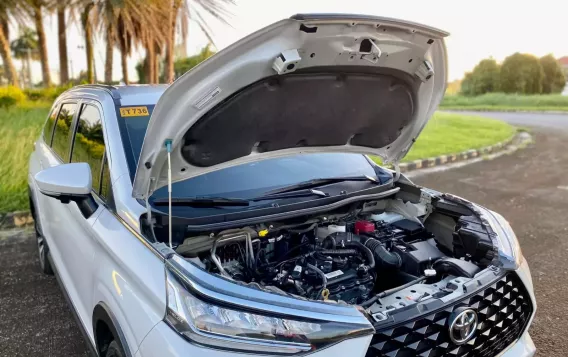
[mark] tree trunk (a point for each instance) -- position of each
(9, 68)
(150, 54)
(156, 63)
(87, 28)
(108, 56)
(5, 27)
(171, 42)
(63, 61)
(42, 42)
(123, 58)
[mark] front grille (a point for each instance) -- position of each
(503, 308)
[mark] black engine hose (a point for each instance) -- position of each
(365, 250)
(329, 242)
(386, 258)
(322, 276)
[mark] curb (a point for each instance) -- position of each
(512, 110)
(512, 144)
(18, 219)
(21, 219)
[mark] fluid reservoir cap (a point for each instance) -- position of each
(364, 227)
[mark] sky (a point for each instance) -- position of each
(478, 29)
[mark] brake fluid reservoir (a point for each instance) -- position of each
(324, 231)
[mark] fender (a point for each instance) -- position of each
(103, 313)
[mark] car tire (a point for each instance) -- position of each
(43, 251)
(114, 350)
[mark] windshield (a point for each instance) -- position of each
(249, 180)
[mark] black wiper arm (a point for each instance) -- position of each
(202, 202)
(300, 193)
(321, 182)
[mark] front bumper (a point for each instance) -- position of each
(163, 341)
(524, 347)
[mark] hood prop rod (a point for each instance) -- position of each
(168, 144)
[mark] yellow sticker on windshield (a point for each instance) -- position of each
(133, 111)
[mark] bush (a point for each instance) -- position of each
(554, 79)
(185, 64)
(45, 94)
(521, 73)
(483, 79)
(10, 96)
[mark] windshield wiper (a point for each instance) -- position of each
(301, 189)
(202, 202)
(321, 182)
(299, 193)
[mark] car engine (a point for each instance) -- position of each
(352, 259)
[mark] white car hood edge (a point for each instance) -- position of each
(415, 50)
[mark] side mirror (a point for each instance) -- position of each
(69, 182)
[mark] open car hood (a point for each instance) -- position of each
(311, 83)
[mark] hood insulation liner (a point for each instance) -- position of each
(302, 110)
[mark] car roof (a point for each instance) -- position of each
(145, 94)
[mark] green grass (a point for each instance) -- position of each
(506, 102)
(19, 127)
(451, 133)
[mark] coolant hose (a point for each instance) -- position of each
(386, 258)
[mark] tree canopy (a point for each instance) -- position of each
(519, 73)
(554, 79)
(483, 79)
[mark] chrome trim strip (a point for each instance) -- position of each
(228, 292)
(141, 238)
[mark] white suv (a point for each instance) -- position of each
(236, 211)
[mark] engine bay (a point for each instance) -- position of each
(380, 256)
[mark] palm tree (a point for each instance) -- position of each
(177, 7)
(35, 9)
(86, 22)
(25, 49)
(121, 22)
(110, 36)
(9, 10)
(62, 37)
(191, 9)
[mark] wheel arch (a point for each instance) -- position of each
(105, 322)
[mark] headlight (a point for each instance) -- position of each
(226, 328)
(509, 249)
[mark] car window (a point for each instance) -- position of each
(48, 128)
(60, 143)
(106, 190)
(89, 143)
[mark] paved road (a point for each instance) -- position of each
(542, 120)
(530, 187)
(34, 317)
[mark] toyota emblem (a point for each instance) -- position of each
(463, 323)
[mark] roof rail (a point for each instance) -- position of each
(112, 90)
